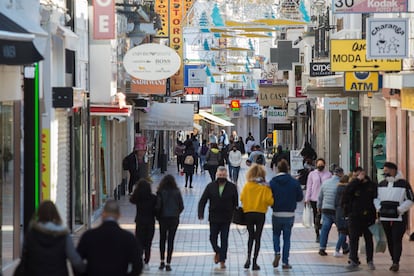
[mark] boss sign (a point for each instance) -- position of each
(103, 19)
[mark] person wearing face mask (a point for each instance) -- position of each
(235, 159)
(358, 205)
(395, 198)
(313, 187)
(223, 200)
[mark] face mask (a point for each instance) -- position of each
(234, 150)
(390, 178)
(221, 180)
(320, 168)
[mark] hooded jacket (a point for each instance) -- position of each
(46, 248)
(213, 157)
(394, 192)
(286, 193)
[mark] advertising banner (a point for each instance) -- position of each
(167, 116)
(176, 42)
(350, 55)
(319, 69)
(103, 19)
(387, 38)
(161, 8)
(369, 6)
(150, 87)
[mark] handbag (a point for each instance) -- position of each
(379, 235)
(389, 210)
(239, 216)
(307, 216)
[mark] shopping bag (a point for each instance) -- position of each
(379, 235)
(307, 216)
(239, 216)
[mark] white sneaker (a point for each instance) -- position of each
(337, 254)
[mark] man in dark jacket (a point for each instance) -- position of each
(358, 204)
(286, 193)
(108, 249)
(130, 163)
(223, 198)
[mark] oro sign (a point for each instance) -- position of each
(151, 61)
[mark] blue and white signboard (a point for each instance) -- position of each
(387, 38)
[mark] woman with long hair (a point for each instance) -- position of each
(145, 201)
(256, 197)
(168, 208)
(48, 245)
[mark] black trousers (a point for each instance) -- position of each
(255, 222)
(358, 228)
(144, 234)
(168, 228)
(316, 218)
(394, 230)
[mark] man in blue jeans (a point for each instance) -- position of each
(286, 193)
(326, 206)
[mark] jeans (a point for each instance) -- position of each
(202, 162)
(327, 221)
(234, 173)
(282, 224)
(341, 243)
(222, 229)
(168, 228)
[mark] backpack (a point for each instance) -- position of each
(126, 162)
(189, 160)
(260, 159)
(204, 150)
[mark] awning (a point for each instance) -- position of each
(212, 119)
(69, 37)
(16, 44)
(110, 110)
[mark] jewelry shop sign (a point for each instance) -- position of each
(369, 6)
(387, 38)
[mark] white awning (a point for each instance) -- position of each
(70, 38)
(212, 119)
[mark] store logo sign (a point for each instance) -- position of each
(318, 69)
(103, 19)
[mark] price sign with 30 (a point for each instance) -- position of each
(369, 6)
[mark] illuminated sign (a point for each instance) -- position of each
(103, 19)
(235, 105)
(193, 90)
(350, 56)
(361, 81)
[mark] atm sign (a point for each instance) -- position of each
(235, 105)
(361, 81)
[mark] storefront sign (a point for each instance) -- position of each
(235, 105)
(319, 69)
(407, 99)
(273, 96)
(197, 77)
(369, 6)
(334, 103)
(151, 61)
(161, 8)
(218, 109)
(45, 163)
(387, 38)
(361, 81)
(193, 90)
(167, 116)
(296, 162)
(150, 87)
(176, 41)
(277, 116)
(350, 55)
(103, 19)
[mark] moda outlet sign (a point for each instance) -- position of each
(387, 38)
(369, 6)
(350, 56)
(151, 61)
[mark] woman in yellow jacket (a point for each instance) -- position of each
(256, 197)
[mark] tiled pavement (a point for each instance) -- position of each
(193, 254)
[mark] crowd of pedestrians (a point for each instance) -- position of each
(353, 202)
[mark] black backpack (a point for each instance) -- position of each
(127, 162)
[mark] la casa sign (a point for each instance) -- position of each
(103, 19)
